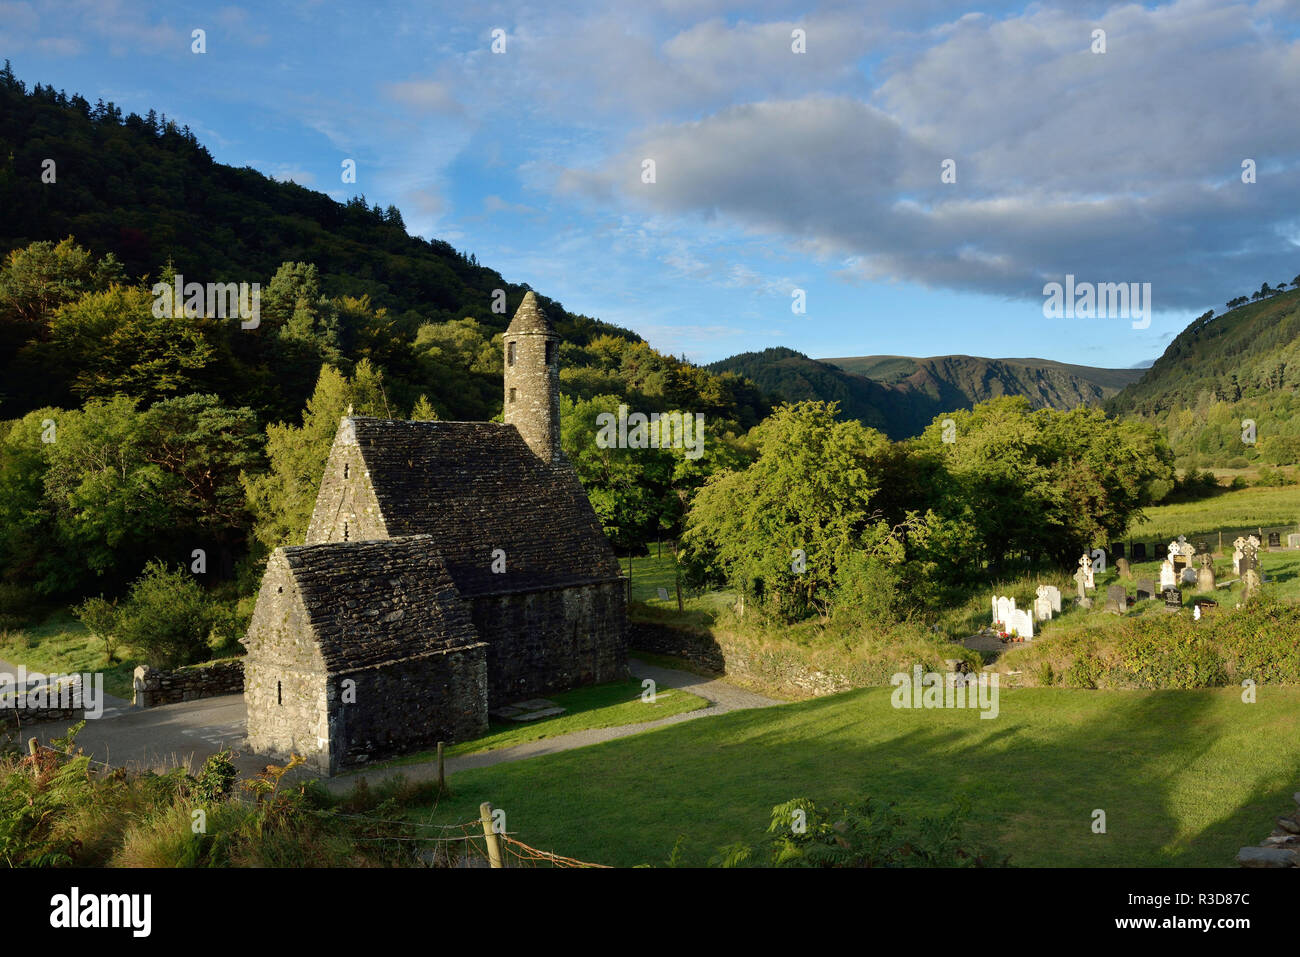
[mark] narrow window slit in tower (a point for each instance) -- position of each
(510, 354)
(512, 395)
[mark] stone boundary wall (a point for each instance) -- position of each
(16, 717)
(778, 672)
(206, 680)
(1279, 849)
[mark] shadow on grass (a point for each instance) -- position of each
(1183, 777)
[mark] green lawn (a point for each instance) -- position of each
(60, 643)
(601, 706)
(653, 572)
(1229, 511)
(1185, 777)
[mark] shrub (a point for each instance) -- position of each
(867, 833)
(166, 617)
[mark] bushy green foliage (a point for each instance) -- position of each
(864, 833)
(1042, 483)
(1259, 641)
(166, 616)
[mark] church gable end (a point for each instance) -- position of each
(346, 509)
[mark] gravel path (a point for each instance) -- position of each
(721, 695)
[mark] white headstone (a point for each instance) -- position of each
(1052, 594)
(1167, 577)
(1043, 608)
(1021, 624)
(663, 593)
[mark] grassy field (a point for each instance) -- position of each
(602, 706)
(1185, 777)
(1229, 511)
(60, 643)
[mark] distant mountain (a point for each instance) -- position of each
(901, 395)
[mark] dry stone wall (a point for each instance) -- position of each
(154, 687)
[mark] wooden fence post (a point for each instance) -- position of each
(493, 841)
(442, 771)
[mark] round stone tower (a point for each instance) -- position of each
(532, 379)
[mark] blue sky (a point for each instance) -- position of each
(774, 170)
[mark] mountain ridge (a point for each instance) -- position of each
(900, 395)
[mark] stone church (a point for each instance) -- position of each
(449, 568)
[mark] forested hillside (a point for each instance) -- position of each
(1224, 391)
(131, 434)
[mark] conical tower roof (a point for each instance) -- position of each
(530, 318)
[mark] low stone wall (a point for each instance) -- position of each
(207, 680)
(60, 704)
(1279, 849)
(17, 717)
(778, 672)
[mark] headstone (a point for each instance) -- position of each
(1274, 540)
(1205, 577)
(1202, 548)
(1081, 579)
(1146, 589)
(1293, 541)
(1187, 576)
(1085, 565)
(1052, 594)
(1021, 624)
(1003, 609)
(1173, 597)
(663, 593)
(1042, 608)
(1117, 550)
(1121, 566)
(1116, 599)
(1250, 584)
(1246, 556)
(1167, 577)
(1139, 552)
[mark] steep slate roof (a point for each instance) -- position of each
(529, 318)
(379, 601)
(477, 486)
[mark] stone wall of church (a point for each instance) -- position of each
(284, 676)
(346, 507)
(409, 706)
(540, 642)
